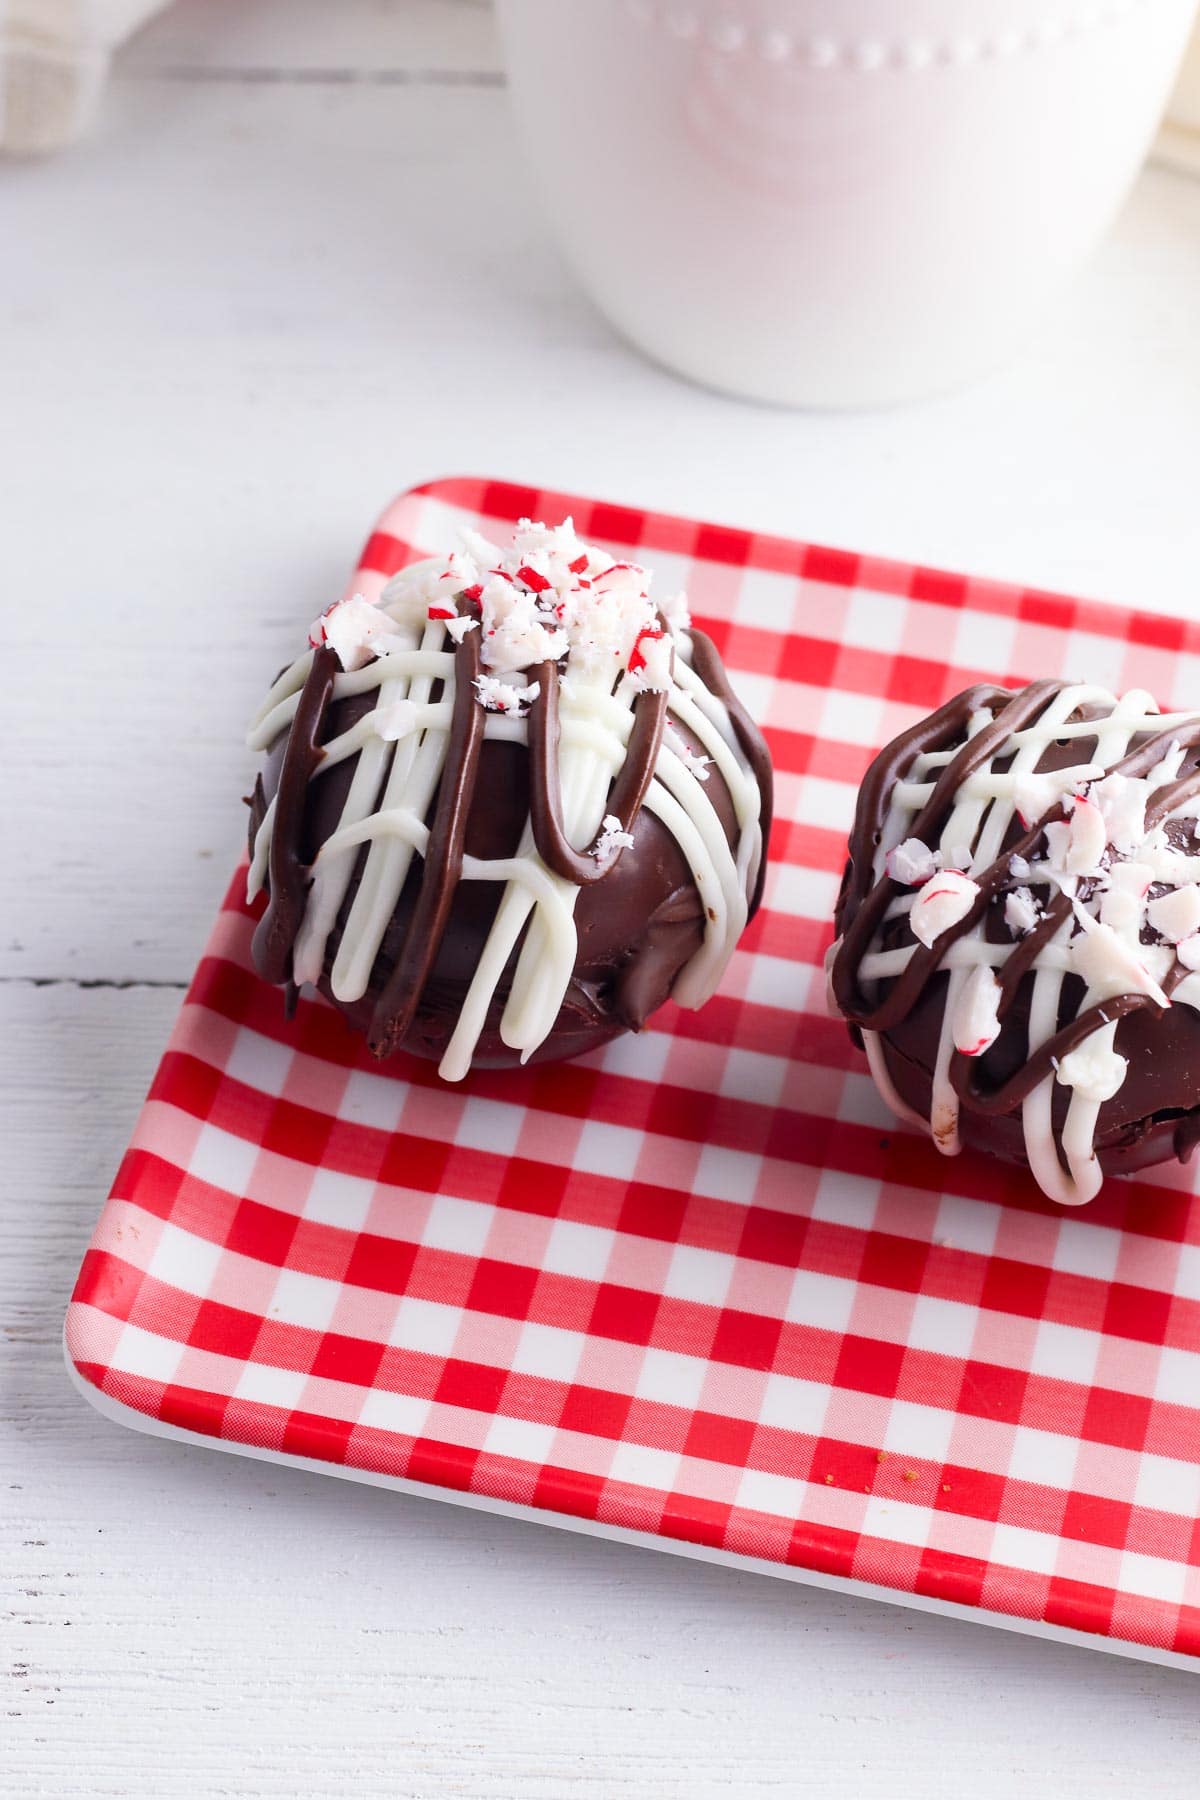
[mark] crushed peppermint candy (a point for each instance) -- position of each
(352, 629)
(960, 857)
(1034, 795)
(1019, 869)
(1021, 912)
(1188, 952)
(459, 625)
(976, 1024)
(1176, 915)
(547, 598)
(1110, 964)
(942, 904)
(506, 697)
(1076, 847)
(912, 862)
(1093, 1070)
(1126, 887)
(1122, 803)
(613, 838)
(649, 665)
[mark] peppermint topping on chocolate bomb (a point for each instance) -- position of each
(525, 722)
(1005, 995)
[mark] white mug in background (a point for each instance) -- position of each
(834, 202)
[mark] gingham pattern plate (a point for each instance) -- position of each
(698, 1287)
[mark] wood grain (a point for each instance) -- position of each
(299, 268)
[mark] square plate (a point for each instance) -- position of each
(697, 1289)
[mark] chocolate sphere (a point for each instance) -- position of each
(509, 811)
(1018, 927)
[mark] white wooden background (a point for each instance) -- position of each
(296, 270)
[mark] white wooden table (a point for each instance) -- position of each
(296, 270)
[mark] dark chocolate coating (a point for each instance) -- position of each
(1155, 1114)
(638, 924)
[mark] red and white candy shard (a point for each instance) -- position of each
(1122, 803)
(941, 904)
(1110, 964)
(1034, 795)
(506, 696)
(976, 1014)
(1076, 847)
(1123, 901)
(1176, 915)
(1093, 1070)
(352, 629)
(1021, 911)
(912, 862)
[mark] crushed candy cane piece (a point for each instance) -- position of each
(912, 862)
(1093, 1070)
(960, 857)
(637, 656)
(976, 1014)
(1110, 964)
(349, 628)
(1122, 904)
(506, 697)
(1034, 795)
(1021, 912)
(1176, 915)
(941, 904)
(613, 837)
(1018, 868)
(458, 627)
(1085, 842)
(1188, 952)
(649, 665)
(1122, 802)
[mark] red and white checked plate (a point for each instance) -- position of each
(697, 1288)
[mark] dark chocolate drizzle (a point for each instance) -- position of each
(638, 983)
(629, 790)
(288, 872)
(398, 1002)
(864, 899)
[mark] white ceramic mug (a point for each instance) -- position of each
(834, 202)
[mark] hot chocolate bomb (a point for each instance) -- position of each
(509, 810)
(1018, 944)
